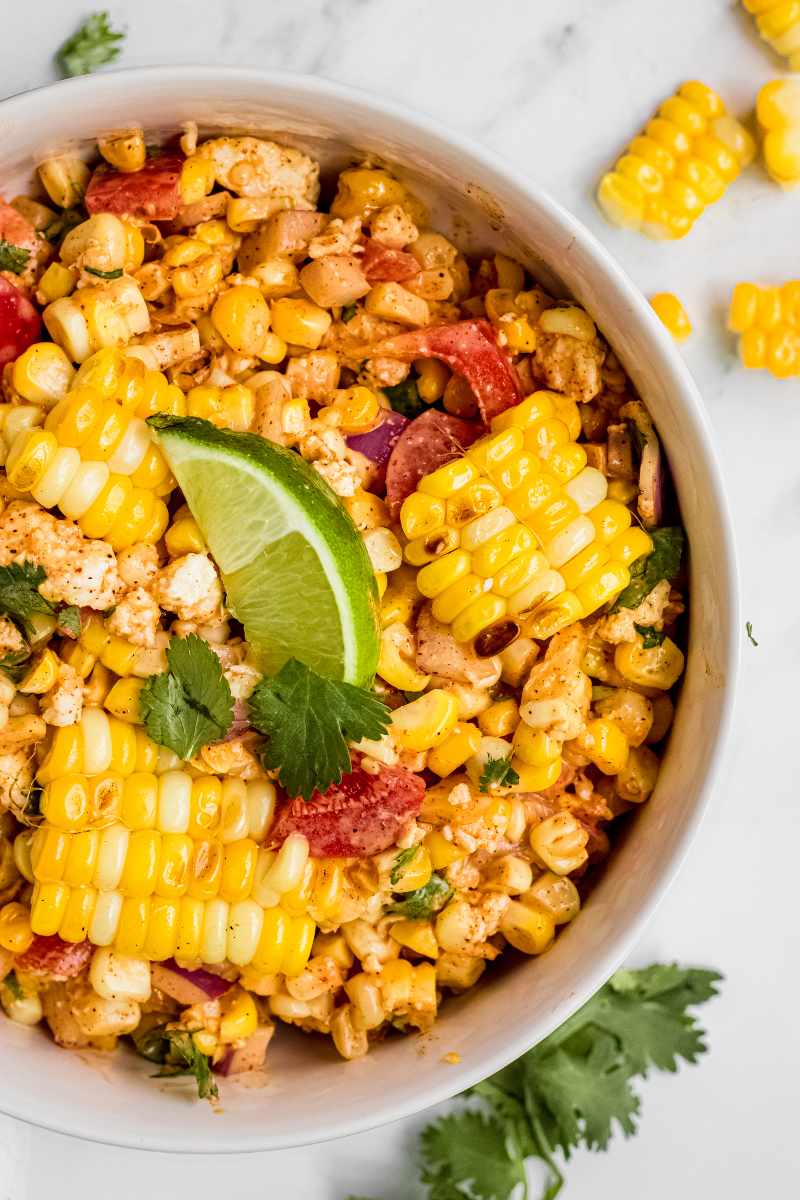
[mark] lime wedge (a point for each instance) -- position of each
(295, 569)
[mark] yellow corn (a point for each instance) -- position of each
(299, 322)
(413, 873)
(443, 852)
(418, 936)
(65, 180)
(41, 676)
(778, 112)
(362, 191)
(659, 667)
(198, 176)
(241, 316)
(125, 151)
(681, 163)
(480, 562)
(426, 722)
(230, 407)
(42, 374)
(123, 700)
(57, 282)
(672, 315)
(239, 1016)
(779, 25)
(184, 537)
(460, 744)
(356, 409)
(604, 744)
(15, 928)
(527, 929)
(396, 659)
(107, 314)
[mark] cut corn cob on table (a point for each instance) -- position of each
(682, 162)
(520, 527)
(94, 456)
(767, 320)
(778, 23)
(778, 112)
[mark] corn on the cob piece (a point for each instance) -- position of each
(519, 528)
(95, 457)
(164, 865)
(779, 25)
(682, 162)
(778, 112)
(768, 323)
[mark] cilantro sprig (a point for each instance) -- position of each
(663, 562)
(575, 1089)
(19, 594)
(178, 1055)
(307, 721)
(422, 904)
(94, 45)
(15, 664)
(651, 636)
(191, 704)
(13, 258)
(497, 773)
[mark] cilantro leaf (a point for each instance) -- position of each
(306, 720)
(401, 860)
(498, 772)
(13, 985)
(19, 594)
(94, 45)
(405, 398)
(176, 1051)
(191, 704)
(749, 631)
(13, 258)
(663, 562)
(422, 903)
(69, 621)
(470, 1155)
(115, 274)
(650, 636)
(348, 312)
(15, 664)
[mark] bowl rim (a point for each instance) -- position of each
(446, 1085)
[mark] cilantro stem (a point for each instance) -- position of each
(545, 1152)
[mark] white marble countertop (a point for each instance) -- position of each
(558, 88)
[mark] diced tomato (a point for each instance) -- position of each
(362, 814)
(20, 323)
(383, 264)
(16, 229)
(470, 349)
(55, 956)
(153, 192)
(430, 441)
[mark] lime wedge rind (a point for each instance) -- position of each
(295, 568)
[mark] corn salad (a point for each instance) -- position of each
(528, 644)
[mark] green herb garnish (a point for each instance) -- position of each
(69, 621)
(497, 773)
(19, 594)
(348, 312)
(405, 398)
(189, 705)
(307, 721)
(15, 664)
(13, 985)
(748, 630)
(650, 635)
(663, 562)
(175, 1049)
(94, 45)
(401, 860)
(572, 1090)
(13, 258)
(115, 274)
(421, 904)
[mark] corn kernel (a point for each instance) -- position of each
(299, 322)
(672, 314)
(425, 722)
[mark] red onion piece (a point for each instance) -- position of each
(652, 472)
(377, 445)
(212, 986)
(248, 1057)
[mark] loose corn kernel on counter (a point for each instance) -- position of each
(528, 645)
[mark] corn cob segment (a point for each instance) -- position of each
(95, 457)
(778, 23)
(681, 163)
(778, 112)
(519, 528)
(768, 323)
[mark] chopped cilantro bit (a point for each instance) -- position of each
(497, 773)
(405, 398)
(13, 258)
(15, 664)
(13, 985)
(94, 45)
(748, 630)
(175, 1049)
(421, 904)
(402, 860)
(69, 621)
(650, 635)
(115, 274)
(348, 312)
(307, 721)
(189, 705)
(19, 594)
(663, 562)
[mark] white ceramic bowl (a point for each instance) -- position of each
(310, 1094)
